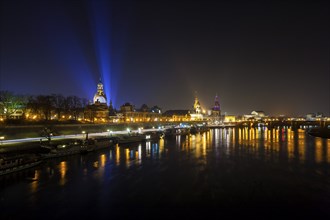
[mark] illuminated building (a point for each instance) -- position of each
(98, 111)
(197, 106)
(229, 118)
(197, 111)
(313, 116)
(256, 115)
(177, 115)
(100, 97)
(129, 114)
(214, 115)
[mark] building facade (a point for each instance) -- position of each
(98, 111)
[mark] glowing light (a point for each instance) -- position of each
(103, 160)
(100, 17)
(63, 168)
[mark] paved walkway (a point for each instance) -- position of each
(4, 143)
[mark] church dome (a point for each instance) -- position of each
(99, 99)
(99, 96)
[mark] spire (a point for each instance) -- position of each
(216, 103)
(197, 106)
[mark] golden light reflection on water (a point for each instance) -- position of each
(34, 179)
(290, 144)
(161, 146)
(204, 144)
(269, 144)
(103, 160)
(117, 155)
(327, 147)
(272, 145)
(63, 169)
(301, 145)
(127, 159)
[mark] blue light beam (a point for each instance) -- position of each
(101, 32)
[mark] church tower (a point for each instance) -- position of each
(216, 106)
(196, 114)
(98, 111)
(216, 111)
(100, 97)
(197, 106)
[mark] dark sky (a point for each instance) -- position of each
(271, 56)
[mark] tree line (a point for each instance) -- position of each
(42, 105)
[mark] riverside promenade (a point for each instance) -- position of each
(29, 143)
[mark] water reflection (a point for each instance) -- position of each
(63, 169)
(278, 144)
(220, 163)
(34, 180)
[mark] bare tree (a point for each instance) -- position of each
(45, 105)
(59, 104)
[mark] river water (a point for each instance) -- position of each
(220, 173)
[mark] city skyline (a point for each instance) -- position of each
(256, 56)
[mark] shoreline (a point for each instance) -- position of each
(29, 139)
(10, 132)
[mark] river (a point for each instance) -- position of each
(220, 173)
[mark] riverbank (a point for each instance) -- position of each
(10, 132)
(33, 145)
(60, 133)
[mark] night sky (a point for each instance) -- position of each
(271, 56)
